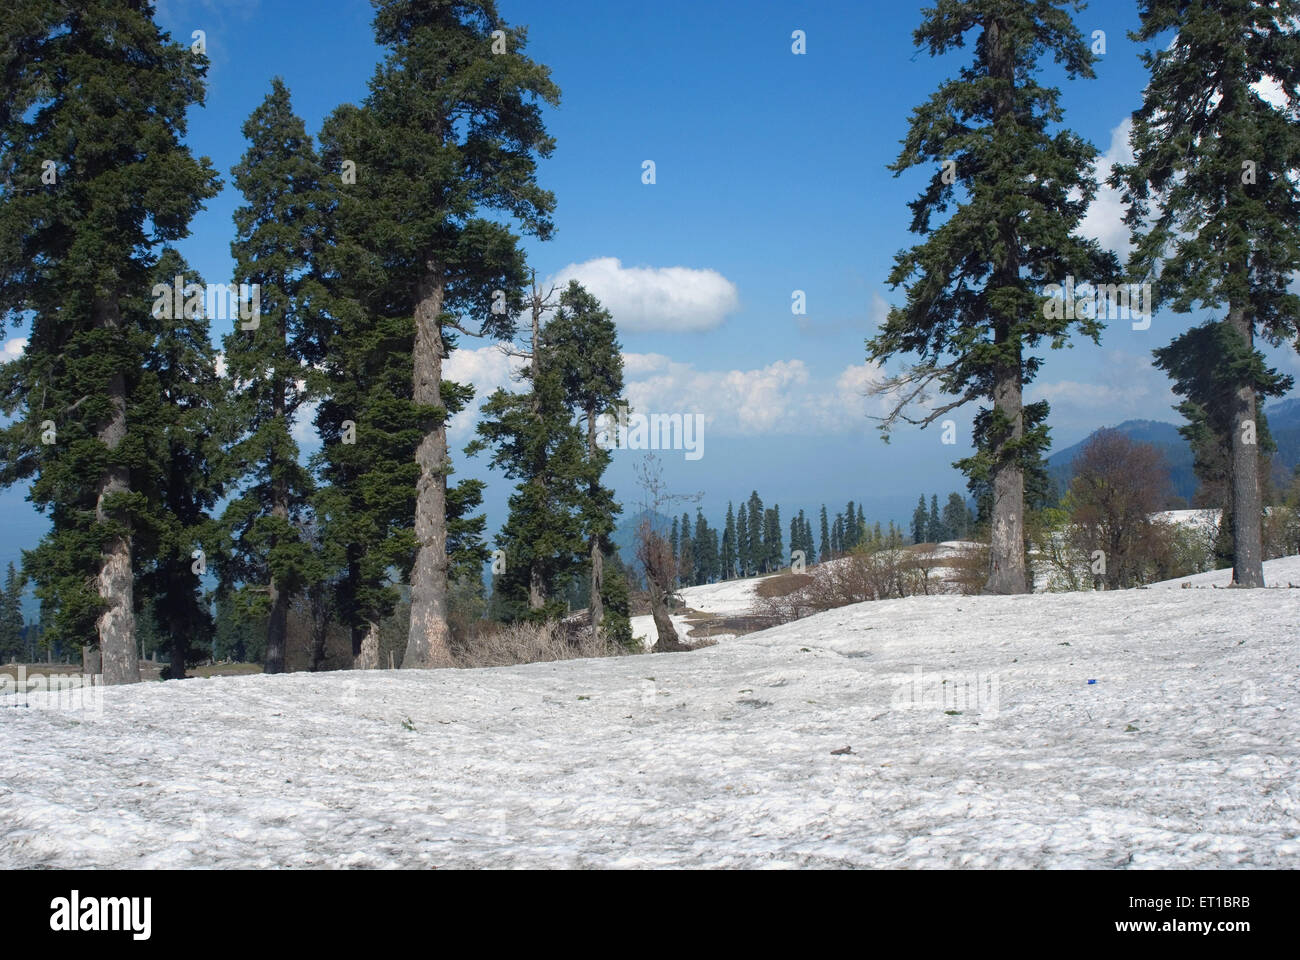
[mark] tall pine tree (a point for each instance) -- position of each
(1018, 191)
(1215, 206)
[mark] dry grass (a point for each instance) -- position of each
(782, 584)
(504, 645)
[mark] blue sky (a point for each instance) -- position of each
(770, 177)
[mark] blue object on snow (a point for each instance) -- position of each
(1092, 681)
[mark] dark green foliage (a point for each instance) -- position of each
(12, 646)
(96, 88)
(270, 366)
(1014, 187)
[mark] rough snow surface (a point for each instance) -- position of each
(976, 732)
(1277, 573)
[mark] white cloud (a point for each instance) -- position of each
(487, 368)
(1104, 221)
(676, 299)
(1130, 388)
(12, 349)
(779, 398)
(782, 397)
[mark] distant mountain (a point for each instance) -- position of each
(624, 535)
(1283, 423)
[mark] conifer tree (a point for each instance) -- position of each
(270, 362)
(685, 553)
(184, 425)
(445, 143)
(1208, 366)
(11, 616)
(743, 548)
(1018, 187)
(955, 517)
(727, 556)
(536, 440)
(935, 532)
(756, 535)
(919, 517)
(1215, 207)
(583, 342)
(824, 553)
(96, 178)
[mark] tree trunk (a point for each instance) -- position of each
(365, 648)
(666, 640)
(90, 660)
(116, 625)
(595, 600)
(428, 643)
(1007, 535)
(277, 625)
(179, 647)
(1247, 510)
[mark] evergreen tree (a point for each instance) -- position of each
(1012, 193)
(583, 342)
(850, 527)
(685, 553)
(1214, 204)
(180, 403)
(919, 518)
(446, 141)
(824, 553)
(837, 535)
(935, 531)
(955, 517)
(727, 556)
(11, 617)
(271, 362)
(706, 549)
(754, 561)
(1208, 365)
(743, 541)
(98, 90)
(536, 441)
(773, 552)
(674, 538)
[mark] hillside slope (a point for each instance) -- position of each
(1148, 728)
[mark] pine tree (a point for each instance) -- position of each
(955, 517)
(727, 556)
(1012, 194)
(837, 535)
(447, 139)
(1214, 204)
(536, 440)
(96, 97)
(271, 362)
(184, 424)
(11, 617)
(935, 531)
(756, 535)
(675, 538)
(685, 553)
(584, 343)
(919, 517)
(1207, 365)
(824, 553)
(743, 549)
(850, 527)
(773, 552)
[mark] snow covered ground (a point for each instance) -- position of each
(1277, 573)
(976, 737)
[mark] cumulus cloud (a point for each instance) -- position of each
(666, 299)
(487, 368)
(1130, 388)
(782, 397)
(1104, 221)
(12, 349)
